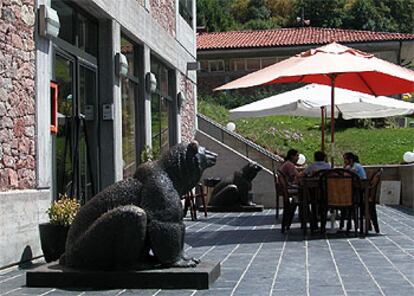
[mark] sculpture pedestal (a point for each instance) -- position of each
(58, 276)
(238, 208)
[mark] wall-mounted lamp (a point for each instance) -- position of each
(181, 98)
(49, 24)
(193, 66)
(121, 65)
(150, 82)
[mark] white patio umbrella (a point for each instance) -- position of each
(308, 101)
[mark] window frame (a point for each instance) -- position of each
(246, 60)
(132, 79)
(76, 11)
(185, 9)
(165, 99)
(210, 62)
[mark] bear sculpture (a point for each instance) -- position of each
(121, 226)
(233, 191)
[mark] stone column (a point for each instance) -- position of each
(147, 96)
(43, 77)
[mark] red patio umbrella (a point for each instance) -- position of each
(335, 65)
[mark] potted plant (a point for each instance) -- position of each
(53, 234)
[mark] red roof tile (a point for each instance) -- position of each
(291, 37)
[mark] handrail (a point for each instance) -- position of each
(219, 133)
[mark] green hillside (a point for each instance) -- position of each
(280, 133)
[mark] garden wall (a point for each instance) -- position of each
(403, 173)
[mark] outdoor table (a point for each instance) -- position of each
(309, 193)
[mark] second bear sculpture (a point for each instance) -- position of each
(233, 191)
(119, 226)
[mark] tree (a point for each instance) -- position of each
(258, 10)
(281, 10)
(329, 13)
(240, 9)
(215, 15)
(402, 12)
(259, 24)
(369, 15)
(381, 15)
(374, 15)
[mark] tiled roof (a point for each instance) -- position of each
(291, 37)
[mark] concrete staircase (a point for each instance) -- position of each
(236, 151)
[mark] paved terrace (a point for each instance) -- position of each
(256, 259)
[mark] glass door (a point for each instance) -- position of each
(75, 145)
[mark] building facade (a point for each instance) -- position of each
(225, 56)
(73, 118)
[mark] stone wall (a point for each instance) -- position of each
(187, 110)
(163, 12)
(17, 95)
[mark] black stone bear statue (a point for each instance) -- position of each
(233, 191)
(137, 223)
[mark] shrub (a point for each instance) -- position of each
(63, 211)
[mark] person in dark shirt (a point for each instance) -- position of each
(289, 167)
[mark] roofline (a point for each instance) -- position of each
(302, 28)
(273, 47)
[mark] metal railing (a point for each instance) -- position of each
(237, 142)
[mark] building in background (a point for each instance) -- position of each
(225, 56)
(72, 119)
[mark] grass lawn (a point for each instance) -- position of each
(280, 133)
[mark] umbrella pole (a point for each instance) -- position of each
(323, 128)
(332, 76)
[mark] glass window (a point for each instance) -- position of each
(161, 74)
(87, 34)
(77, 27)
(238, 65)
(67, 19)
(128, 127)
(216, 65)
(186, 11)
(268, 61)
(161, 102)
(64, 78)
(128, 49)
(204, 65)
(129, 99)
(253, 64)
(160, 127)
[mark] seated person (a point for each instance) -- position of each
(351, 162)
(288, 167)
(318, 165)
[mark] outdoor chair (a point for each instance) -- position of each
(190, 201)
(311, 193)
(289, 197)
(374, 181)
(340, 191)
(277, 193)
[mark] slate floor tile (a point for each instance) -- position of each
(285, 265)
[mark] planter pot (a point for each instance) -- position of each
(53, 240)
